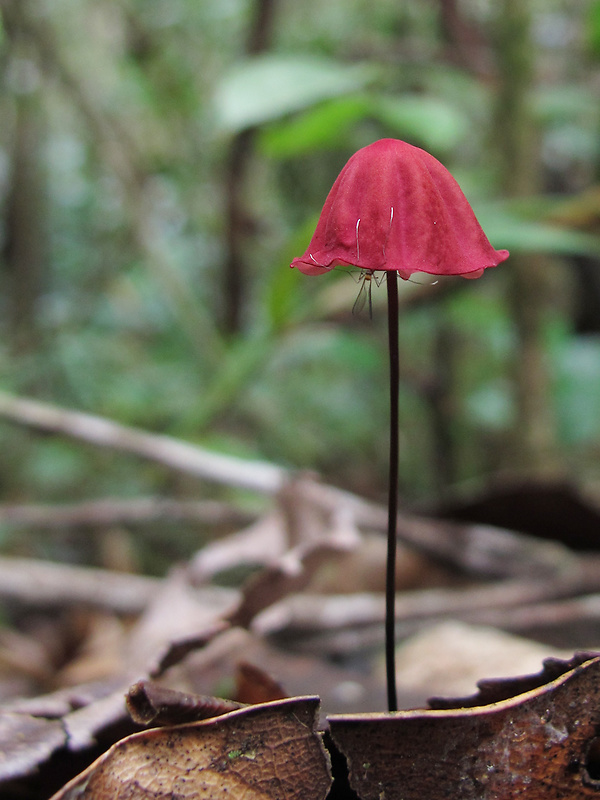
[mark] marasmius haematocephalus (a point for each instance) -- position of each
(396, 209)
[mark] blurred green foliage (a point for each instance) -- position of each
(117, 122)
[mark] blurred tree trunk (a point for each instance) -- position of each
(24, 249)
(240, 222)
(25, 242)
(467, 44)
(534, 447)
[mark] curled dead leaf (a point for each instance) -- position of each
(149, 703)
(263, 752)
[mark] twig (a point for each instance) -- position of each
(342, 625)
(113, 511)
(256, 475)
(311, 613)
(42, 584)
(481, 550)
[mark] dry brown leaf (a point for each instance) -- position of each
(541, 745)
(179, 619)
(149, 703)
(255, 685)
(291, 574)
(260, 544)
(449, 658)
(264, 752)
(102, 638)
(25, 742)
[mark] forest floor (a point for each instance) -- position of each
(487, 589)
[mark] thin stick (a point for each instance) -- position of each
(390, 580)
(258, 476)
(41, 584)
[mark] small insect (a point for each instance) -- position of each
(366, 277)
(363, 276)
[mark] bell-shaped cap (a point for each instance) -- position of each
(395, 207)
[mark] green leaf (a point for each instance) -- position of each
(428, 120)
(281, 297)
(55, 466)
(319, 128)
(266, 88)
(564, 103)
(592, 28)
(578, 389)
(491, 406)
(507, 230)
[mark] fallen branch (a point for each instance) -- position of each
(113, 511)
(259, 476)
(335, 634)
(482, 550)
(302, 613)
(557, 622)
(43, 584)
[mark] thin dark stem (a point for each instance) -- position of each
(390, 580)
